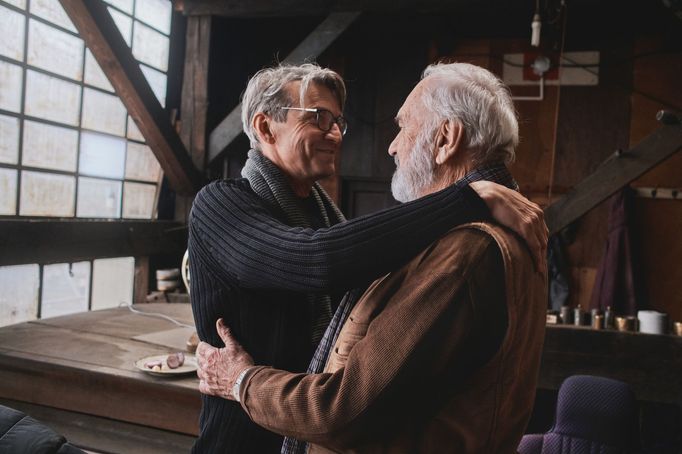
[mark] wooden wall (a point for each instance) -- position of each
(574, 127)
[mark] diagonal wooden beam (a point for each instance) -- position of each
(612, 175)
(311, 47)
(97, 28)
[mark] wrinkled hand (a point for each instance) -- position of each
(218, 368)
(511, 209)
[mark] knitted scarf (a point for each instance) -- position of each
(268, 181)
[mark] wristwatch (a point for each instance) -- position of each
(238, 383)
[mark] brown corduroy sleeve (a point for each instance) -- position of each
(424, 325)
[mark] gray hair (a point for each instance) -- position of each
(267, 91)
(481, 103)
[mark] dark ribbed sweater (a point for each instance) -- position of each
(248, 267)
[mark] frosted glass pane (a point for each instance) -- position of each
(150, 46)
(156, 13)
(157, 80)
(65, 289)
(94, 74)
(18, 3)
(19, 296)
(10, 86)
(9, 139)
(103, 112)
(101, 155)
(12, 25)
(123, 23)
(141, 164)
(49, 147)
(46, 194)
(138, 200)
(51, 98)
(52, 11)
(133, 132)
(54, 50)
(112, 282)
(8, 192)
(124, 5)
(98, 198)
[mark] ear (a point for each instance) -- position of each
(449, 140)
(262, 123)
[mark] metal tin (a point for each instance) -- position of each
(608, 318)
(578, 316)
(597, 321)
(566, 315)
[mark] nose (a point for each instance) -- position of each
(393, 148)
(335, 133)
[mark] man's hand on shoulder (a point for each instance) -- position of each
(511, 209)
(219, 368)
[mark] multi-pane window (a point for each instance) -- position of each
(68, 147)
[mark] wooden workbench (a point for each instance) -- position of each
(76, 374)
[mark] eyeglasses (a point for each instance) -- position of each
(324, 119)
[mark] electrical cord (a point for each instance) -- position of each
(155, 314)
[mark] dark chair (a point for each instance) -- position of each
(594, 415)
(21, 434)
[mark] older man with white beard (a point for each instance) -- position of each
(443, 354)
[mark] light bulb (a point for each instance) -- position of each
(535, 26)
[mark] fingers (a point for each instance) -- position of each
(223, 331)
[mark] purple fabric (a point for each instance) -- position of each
(617, 284)
(594, 415)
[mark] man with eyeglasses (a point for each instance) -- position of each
(273, 256)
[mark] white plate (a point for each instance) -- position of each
(189, 366)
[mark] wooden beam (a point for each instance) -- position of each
(310, 48)
(195, 88)
(291, 8)
(97, 28)
(616, 172)
(69, 240)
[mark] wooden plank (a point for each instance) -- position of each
(141, 282)
(613, 175)
(310, 48)
(651, 364)
(98, 434)
(70, 240)
(100, 34)
(195, 88)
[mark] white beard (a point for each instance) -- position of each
(415, 174)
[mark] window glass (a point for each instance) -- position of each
(52, 11)
(102, 155)
(52, 98)
(9, 139)
(123, 23)
(18, 3)
(10, 86)
(138, 200)
(8, 192)
(49, 147)
(46, 194)
(103, 112)
(123, 5)
(94, 74)
(12, 25)
(133, 132)
(112, 282)
(150, 46)
(19, 296)
(157, 81)
(65, 289)
(141, 164)
(156, 13)
(54, 50)
(98, 198)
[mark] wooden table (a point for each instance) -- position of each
(76, 373)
